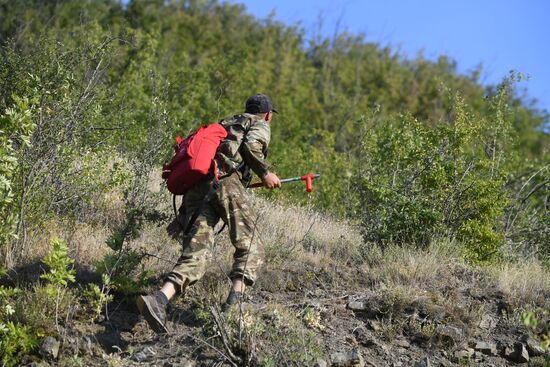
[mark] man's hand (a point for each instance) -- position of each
(271, 180)
(174, 229)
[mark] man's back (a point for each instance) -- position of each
(247, 141)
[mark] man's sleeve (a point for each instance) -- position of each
(255, 146)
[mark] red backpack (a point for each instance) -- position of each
(194, 158)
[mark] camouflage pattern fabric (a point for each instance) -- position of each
(255, 134)
(245, 146)
(230, 204)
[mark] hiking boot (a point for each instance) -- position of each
(153, 309)
(232, 299)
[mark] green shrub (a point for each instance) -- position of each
(419, 182)
(16, 127)
(16, 341)
(98, 297)
(47, 304)
(58, 261)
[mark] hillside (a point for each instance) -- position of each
(425, 242)
(322, 294)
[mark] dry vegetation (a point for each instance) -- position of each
(302, 306)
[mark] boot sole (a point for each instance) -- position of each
(154, 322)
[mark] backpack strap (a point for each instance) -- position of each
(242, 165)
(209, 195)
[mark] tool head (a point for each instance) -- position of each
(309, 180)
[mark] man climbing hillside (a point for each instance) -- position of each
(244, 149)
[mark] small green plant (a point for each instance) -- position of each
(124, 267)
(98, 297)
(6, 302)
(531, 320)
(60, 274)
(124, 272)
(49, 302)
(16, 339)
(312, 318)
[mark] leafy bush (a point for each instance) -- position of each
(16, 341)
(15, 132)
(419, 182)
(27, 316)
(98, 297)
(50, 303)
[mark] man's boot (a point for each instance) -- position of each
(153, 309)
(232, 299)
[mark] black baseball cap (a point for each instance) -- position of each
(259, 103)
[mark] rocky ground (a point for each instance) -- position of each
(349, 327)
(322, 299)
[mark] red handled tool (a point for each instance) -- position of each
(307, 178)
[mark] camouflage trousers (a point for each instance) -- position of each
(231, 205)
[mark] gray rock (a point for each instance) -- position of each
(402, 343)
(478, 357)
(487, 322)
(464, 353)
(357, 306)
(147, 354)
(353, 358)
(449, 334)
(49, 348)
(374, 325)
(517, 354)
(534, 348)
(70, 345)
(87, 345)
(489, 349)
(320, 363)
(315, 303)
(424, 362)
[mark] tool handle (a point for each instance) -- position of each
(307, 178)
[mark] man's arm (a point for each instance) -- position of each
(253, 153)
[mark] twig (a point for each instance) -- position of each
(212, 347)
(223, 335)
(242, 278)
(535, 189)
(158, 257)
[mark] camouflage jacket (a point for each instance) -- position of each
(247, 141)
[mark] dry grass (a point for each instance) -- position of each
(289, 231)
(87, 243)
(414, 268)
(527, 282)
(295, 235)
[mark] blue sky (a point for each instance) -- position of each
(500, 35)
